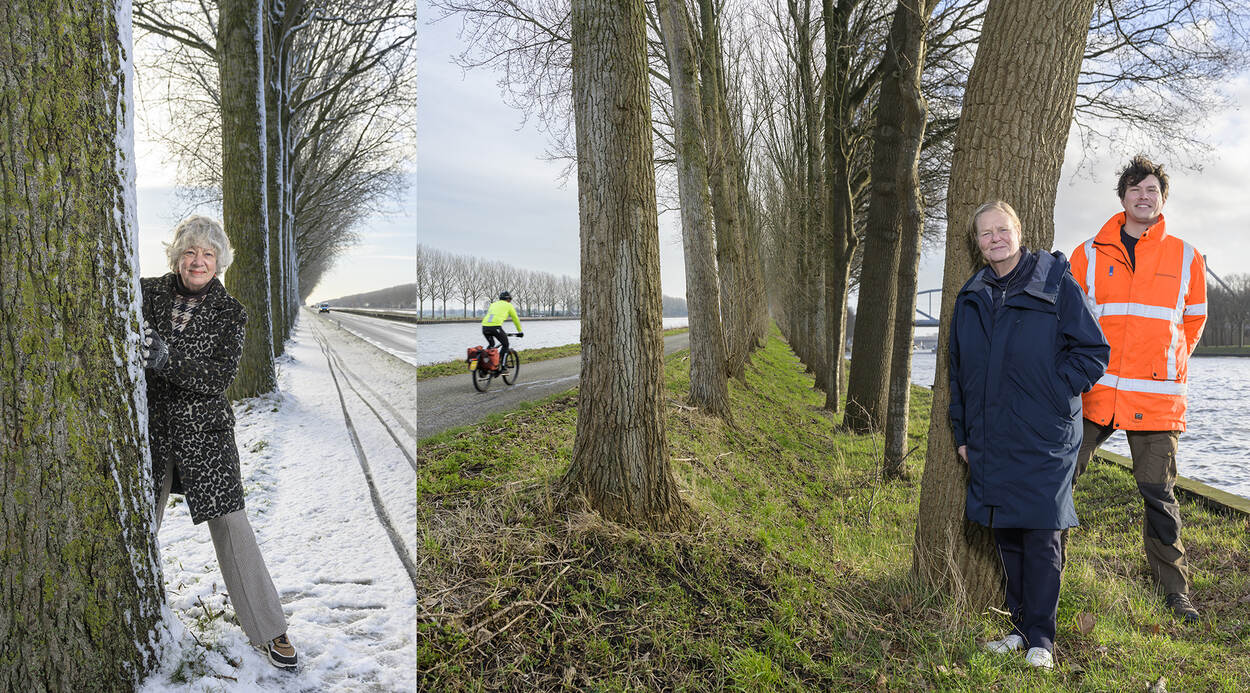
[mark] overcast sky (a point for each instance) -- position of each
(484, 190)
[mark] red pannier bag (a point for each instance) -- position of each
(492, 358)
(471, 358)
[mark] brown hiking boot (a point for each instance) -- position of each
(281, 652)
(1181, 607)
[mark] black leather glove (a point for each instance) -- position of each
(155, 351)
(520, 334)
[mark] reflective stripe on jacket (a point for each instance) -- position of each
(1152, 316)
(498, 312)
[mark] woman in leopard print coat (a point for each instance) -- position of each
(192, 344)
(190, 421)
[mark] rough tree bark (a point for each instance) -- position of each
(813, 207)
(839, 228)
(868, 381)
(80, 584)
(902, 112)
(724, 165)
(620, 455)
(243, 175)
(709, 389)
(1012, 133)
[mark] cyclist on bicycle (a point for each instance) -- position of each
(492, 325)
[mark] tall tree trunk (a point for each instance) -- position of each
(274, 84)
(1012, 133)
(244, 209)
(811, 271)
(620, 455)
(902, 112)
(708, 369)
(81, 591)
(723, 165)
(839, 231)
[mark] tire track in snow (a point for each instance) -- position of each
(397, 542)
(412, 462)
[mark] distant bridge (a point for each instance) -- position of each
(927, 319)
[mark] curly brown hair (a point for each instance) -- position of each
(1136, 171)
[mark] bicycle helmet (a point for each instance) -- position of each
(505, 295)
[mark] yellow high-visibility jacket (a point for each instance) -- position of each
(498, 312)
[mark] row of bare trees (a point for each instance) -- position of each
(1228, 311)
(849, 130)
(473, 281)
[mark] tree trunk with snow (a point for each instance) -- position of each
(620, 456)
(80, 584)
(1012, 134)
(275, 83)
(244, 209)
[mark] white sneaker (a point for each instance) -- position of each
(1011, 643)
(1040, 658)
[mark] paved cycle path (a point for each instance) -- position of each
(452, 401)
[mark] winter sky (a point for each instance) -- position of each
(485, 190)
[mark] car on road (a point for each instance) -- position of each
(323, 307)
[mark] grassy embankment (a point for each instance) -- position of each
(795, 577)
(438, 370)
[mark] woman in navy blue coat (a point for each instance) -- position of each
(1023, 348)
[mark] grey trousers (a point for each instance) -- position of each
(243, 569)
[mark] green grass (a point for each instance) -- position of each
(438, 370)
(794, 578)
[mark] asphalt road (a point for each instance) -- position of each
(400, 338)
(452, 401)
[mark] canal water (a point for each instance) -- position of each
(1214, 449)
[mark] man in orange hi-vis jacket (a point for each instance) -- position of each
(1148, 290)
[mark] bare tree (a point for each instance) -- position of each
(243, 188)
(424, 277)
(442, 278)
(81, 604)
(897, 139)
(708, 366)
(620, 461)
(902, 108)
(1154, 70)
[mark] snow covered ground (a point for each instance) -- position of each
(349, 598)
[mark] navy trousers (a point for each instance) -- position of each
(1033, 565)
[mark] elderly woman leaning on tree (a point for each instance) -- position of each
(1023, 348)
(193, 338)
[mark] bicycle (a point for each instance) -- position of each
(483, 374)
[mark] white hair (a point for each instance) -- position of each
(199, 232)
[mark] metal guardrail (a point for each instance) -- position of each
(387, 314)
